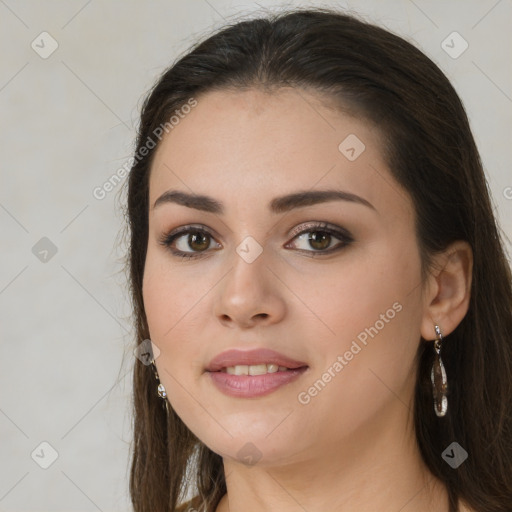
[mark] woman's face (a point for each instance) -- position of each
(346, 303)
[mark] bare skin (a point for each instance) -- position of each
(352, 445)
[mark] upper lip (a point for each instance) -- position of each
(236, 357)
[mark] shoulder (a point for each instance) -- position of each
(192, 505)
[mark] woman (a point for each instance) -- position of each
(315, 260)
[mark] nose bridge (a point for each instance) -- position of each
(247, 279)
(250, 289)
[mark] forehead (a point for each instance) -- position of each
(245, 145)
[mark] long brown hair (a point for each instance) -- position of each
(432, 154)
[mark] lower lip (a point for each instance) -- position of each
(250, 386)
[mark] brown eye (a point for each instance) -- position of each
(198, 241)
(320, 237)
(188, 242)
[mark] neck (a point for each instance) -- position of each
(378, 468)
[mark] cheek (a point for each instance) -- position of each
(369, 316)
(174, 307)
(348, 297)
(167, 296)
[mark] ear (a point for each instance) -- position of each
(448, 290)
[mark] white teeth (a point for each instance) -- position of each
(258, 369)
(254, 369)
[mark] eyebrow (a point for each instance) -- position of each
(277, 205)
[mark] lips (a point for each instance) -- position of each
(251, 357)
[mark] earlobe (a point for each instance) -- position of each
(449, 290)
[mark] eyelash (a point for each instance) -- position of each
(342, 234)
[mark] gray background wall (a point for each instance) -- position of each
(67, 125)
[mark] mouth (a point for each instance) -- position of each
(254, 362)
(253, 373)
(257, 369)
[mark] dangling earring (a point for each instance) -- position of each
(438, 377)
(160, 389)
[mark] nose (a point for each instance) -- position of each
(250, 295)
